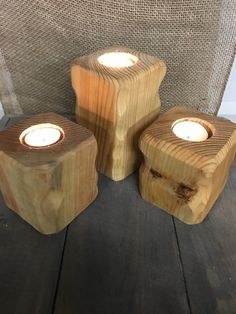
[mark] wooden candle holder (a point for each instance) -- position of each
(185, 178)
(117, 104)
(48, 186)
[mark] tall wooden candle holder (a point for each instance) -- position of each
(185, 170)
(47, 170)
(117, 97)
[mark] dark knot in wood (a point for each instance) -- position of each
(185, 192)
(155, 174)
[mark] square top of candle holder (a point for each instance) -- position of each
(142, 62)
(73, 135)
(159, 141)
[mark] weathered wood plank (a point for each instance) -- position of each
(209, 256)
(121, 257)
(29, 265)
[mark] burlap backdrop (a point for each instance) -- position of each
(39, 39)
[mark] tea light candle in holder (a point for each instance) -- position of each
(117, 97)
(187, 156)
(47, 170)
(40, 135)
(190, 131)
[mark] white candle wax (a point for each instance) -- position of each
(190, 131)
(41, 135)
(117, 59)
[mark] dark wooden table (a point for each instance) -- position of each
(121, 255)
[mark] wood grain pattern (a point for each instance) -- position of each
(29, 262)
(182, 177)
(117, 104)
(50, 186)
(121, 256)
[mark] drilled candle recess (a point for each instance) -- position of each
(41, 135)
(117, 59)
(193, 131)
(116, 98)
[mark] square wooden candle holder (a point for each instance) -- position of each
(117, 97)
(186, 164)
(47, 170)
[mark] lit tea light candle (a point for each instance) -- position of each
(117, 59)
(41, 135)
(190, 131)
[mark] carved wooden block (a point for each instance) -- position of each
(117, 97)
(186, 177)
(48, 186)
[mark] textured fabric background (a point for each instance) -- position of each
(40, 38)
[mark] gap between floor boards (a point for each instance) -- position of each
(182, 266)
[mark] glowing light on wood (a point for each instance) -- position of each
(117, 59)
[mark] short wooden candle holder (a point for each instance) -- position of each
(185, 177)
(48, 186)
(117, 98)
